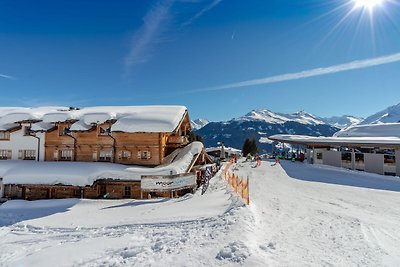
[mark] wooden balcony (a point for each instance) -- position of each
(177, 140)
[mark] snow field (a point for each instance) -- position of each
(299, 215)
(190, 231)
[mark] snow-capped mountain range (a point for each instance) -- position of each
(302, 117)
(262, 123)
(279, 118)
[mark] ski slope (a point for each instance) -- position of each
(299, 215)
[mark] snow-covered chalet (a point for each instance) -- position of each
(48, 152)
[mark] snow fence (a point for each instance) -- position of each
(238, 184)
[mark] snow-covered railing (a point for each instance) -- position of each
(238, 184)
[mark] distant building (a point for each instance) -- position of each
(370, 148)
(215, 152)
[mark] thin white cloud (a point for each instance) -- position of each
(358, 64)
(154, 23)
(7, 77)
(201, 12)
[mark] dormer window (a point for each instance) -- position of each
(26, 130)
(63, 130)
(104, 130)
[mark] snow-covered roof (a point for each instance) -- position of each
(57, 117)
(80, 126)
(41, 126)
(151, 119)
(6, 127)
(128, 118)
(371, 130)
(85, 173)
(337, 141)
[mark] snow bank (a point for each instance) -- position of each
(129, 118)
(86, 173)
(67, 173)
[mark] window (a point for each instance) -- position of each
(5, 154)
(4, 135)
(28, 154)
(319, 156)
(346, 156)
(104, 130)
(144, 154)
(125, 154)
(66, 155)
(127, 191)
(105, 155)
(26, 130)
(62, 130)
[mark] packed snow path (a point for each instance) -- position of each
(299, 215)
(310, 215)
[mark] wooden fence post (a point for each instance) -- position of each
(248, 192)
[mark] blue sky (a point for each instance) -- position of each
(85, 53)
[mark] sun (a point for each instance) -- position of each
(367, 4)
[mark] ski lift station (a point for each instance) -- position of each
(369, 148)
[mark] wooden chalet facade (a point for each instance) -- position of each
(57, 136)
(100, 144)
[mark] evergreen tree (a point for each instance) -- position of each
(199, 138)
(253, 147)
(191, 137)
(246, 147)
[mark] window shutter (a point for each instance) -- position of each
(139, 154)
(20, 154)
(148, 155)
(120, 155)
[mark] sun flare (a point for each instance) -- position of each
(368, 4)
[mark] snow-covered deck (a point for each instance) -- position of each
(85, 173)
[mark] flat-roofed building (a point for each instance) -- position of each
(370, 148)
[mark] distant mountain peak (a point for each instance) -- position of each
(269, 116)
(388, 115)
(199, 123)
(344, 121)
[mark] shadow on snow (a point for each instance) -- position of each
(339, 176)
(135, 203)
(16, 211)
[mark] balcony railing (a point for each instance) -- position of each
(177, 140)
